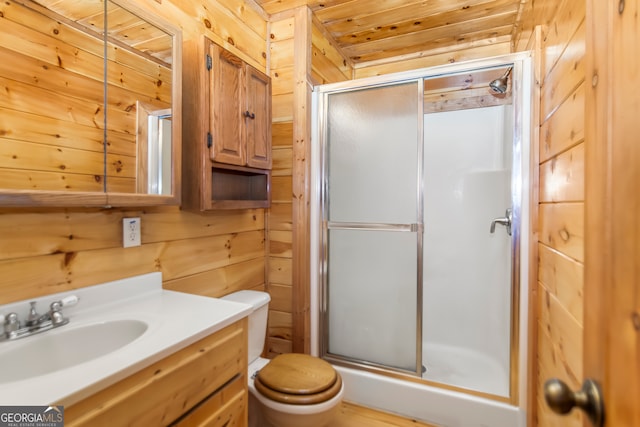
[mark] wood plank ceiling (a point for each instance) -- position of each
(125, 27)
(370, 30)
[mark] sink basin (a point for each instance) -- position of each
(62, 348)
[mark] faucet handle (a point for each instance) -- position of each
(506, 221)
(55, 312)
(64, 302)
(69, 301)
(11, 322)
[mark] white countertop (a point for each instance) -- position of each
(175, 320)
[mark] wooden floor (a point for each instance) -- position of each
(358, 416)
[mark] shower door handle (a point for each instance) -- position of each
(506, 221)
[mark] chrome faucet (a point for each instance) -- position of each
(33, 318)
(34, 322)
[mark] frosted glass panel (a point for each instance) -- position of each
(372, 296)
(373, 137)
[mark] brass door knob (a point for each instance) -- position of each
(561, 399)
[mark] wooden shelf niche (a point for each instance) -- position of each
(234, 187)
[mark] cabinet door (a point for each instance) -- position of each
(226, 407)
(258, 119)
(226, 119)
(163, 391)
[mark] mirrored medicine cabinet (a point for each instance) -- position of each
(90, 104)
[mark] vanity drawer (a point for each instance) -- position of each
(161, 393)
(226, 407)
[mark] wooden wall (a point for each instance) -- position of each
(328, 63)
(301, 54)
(43, 251)
(561, 190)
(279, 222)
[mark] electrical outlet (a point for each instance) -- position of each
(130, 232)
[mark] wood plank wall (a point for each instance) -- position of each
(328, 63)
(44, 251)
(292, 75)
(279, 215)
(300, 189)
(561, 197)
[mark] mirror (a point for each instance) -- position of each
(154, 149)
(88, 117)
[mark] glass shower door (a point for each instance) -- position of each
(372, 226)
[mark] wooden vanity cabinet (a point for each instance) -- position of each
(227, 130)
(203, 384)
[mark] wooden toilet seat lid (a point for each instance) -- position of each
(298, 379)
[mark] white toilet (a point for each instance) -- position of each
(291, 390)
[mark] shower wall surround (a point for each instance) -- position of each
(467, 286)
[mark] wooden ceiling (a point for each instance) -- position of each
(124, 27)
(370, 30)
(365, 30)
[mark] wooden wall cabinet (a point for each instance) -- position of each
(203, 384)
(240, 110)
(227, 130)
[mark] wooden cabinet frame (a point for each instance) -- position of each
(227, 131)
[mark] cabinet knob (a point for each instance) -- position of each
(249, 115)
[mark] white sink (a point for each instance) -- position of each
(64, 347)
(115, 329)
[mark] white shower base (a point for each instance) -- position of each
(441, 407)
(466, 368)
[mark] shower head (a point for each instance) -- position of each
(499, 86)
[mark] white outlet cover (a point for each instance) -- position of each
(130, 232)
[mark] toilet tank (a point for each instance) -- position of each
(257, 318)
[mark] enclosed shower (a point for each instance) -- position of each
(420, 234)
